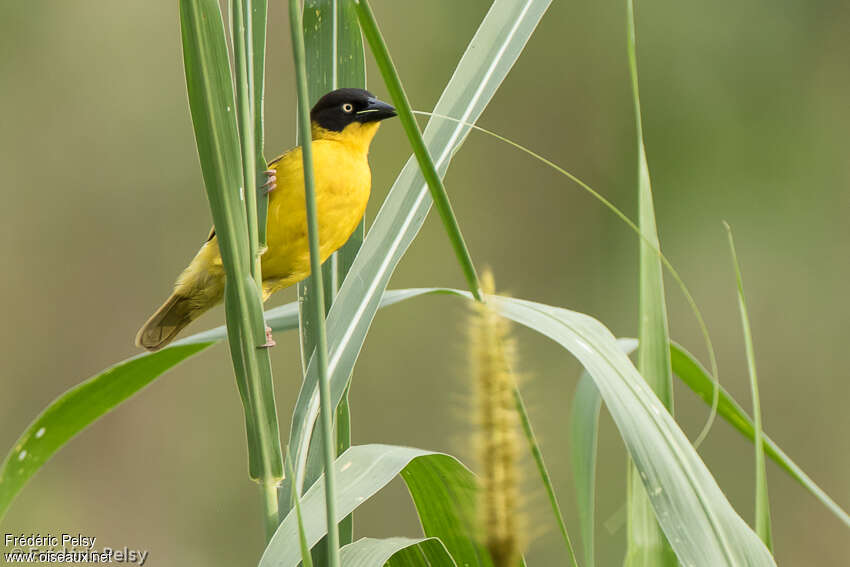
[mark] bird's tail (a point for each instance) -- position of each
(177, 312)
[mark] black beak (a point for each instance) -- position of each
(376, 110)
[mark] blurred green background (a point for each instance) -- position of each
(746, 117)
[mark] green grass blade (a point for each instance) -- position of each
(243, 55)
(396, 552)
(259, 22)
(317, 315)
(699, 522)
(335, 59)
(361, 472)
(762, 507)
(445, 495)
(83, 404)
(210, 90)
(584, 426)
(543, 471)
(646, 545)
(405, 113)
(498, 42)
(701, 525)
(295, 498)
(690, 371)
(78, 408)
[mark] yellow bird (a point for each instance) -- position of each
(344, 122)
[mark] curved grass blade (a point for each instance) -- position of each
(455, 523)
(696, 517)
(80, 406)
(90, 400)
(584, 426)
(691, 372)
(762, 510)
(396, 552)
(364, 470)
(490, 55)
(701, 525)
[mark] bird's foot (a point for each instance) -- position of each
(271, 181)
(269, 339)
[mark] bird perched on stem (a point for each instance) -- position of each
(344, 122)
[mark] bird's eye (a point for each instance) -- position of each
(347, 107)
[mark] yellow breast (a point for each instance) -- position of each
(343, 182)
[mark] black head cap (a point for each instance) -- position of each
(341, 107)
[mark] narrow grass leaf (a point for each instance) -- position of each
(210, 89)
(543, 472)
(426, 165)
(396, 552)
(490, 55)
(78, 408)
(93, 398)
(698, 379)
(306, 557)
(584, 428)
(646, 546)
(259, 23)
(762, 507)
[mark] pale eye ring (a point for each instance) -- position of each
(347, 107)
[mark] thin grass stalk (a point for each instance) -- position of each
(210, 90)
(762, 506)
(335, 58)
(646, 543)
(634, 228)
(259, 18)
(414, 136)
(306, 557)
(246, 102)
(316, 275)
(243, 55)
(537, 455)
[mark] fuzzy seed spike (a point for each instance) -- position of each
(492, 358)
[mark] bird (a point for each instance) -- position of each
(343, 124)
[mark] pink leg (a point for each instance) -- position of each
(269, 339)
(271, 181)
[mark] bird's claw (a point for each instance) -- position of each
(269, 339)
(271, 181)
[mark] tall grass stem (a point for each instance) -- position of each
(318, 315)
(543, 471)
(414, 136)
(210, 89)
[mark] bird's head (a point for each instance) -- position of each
(349, 115)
